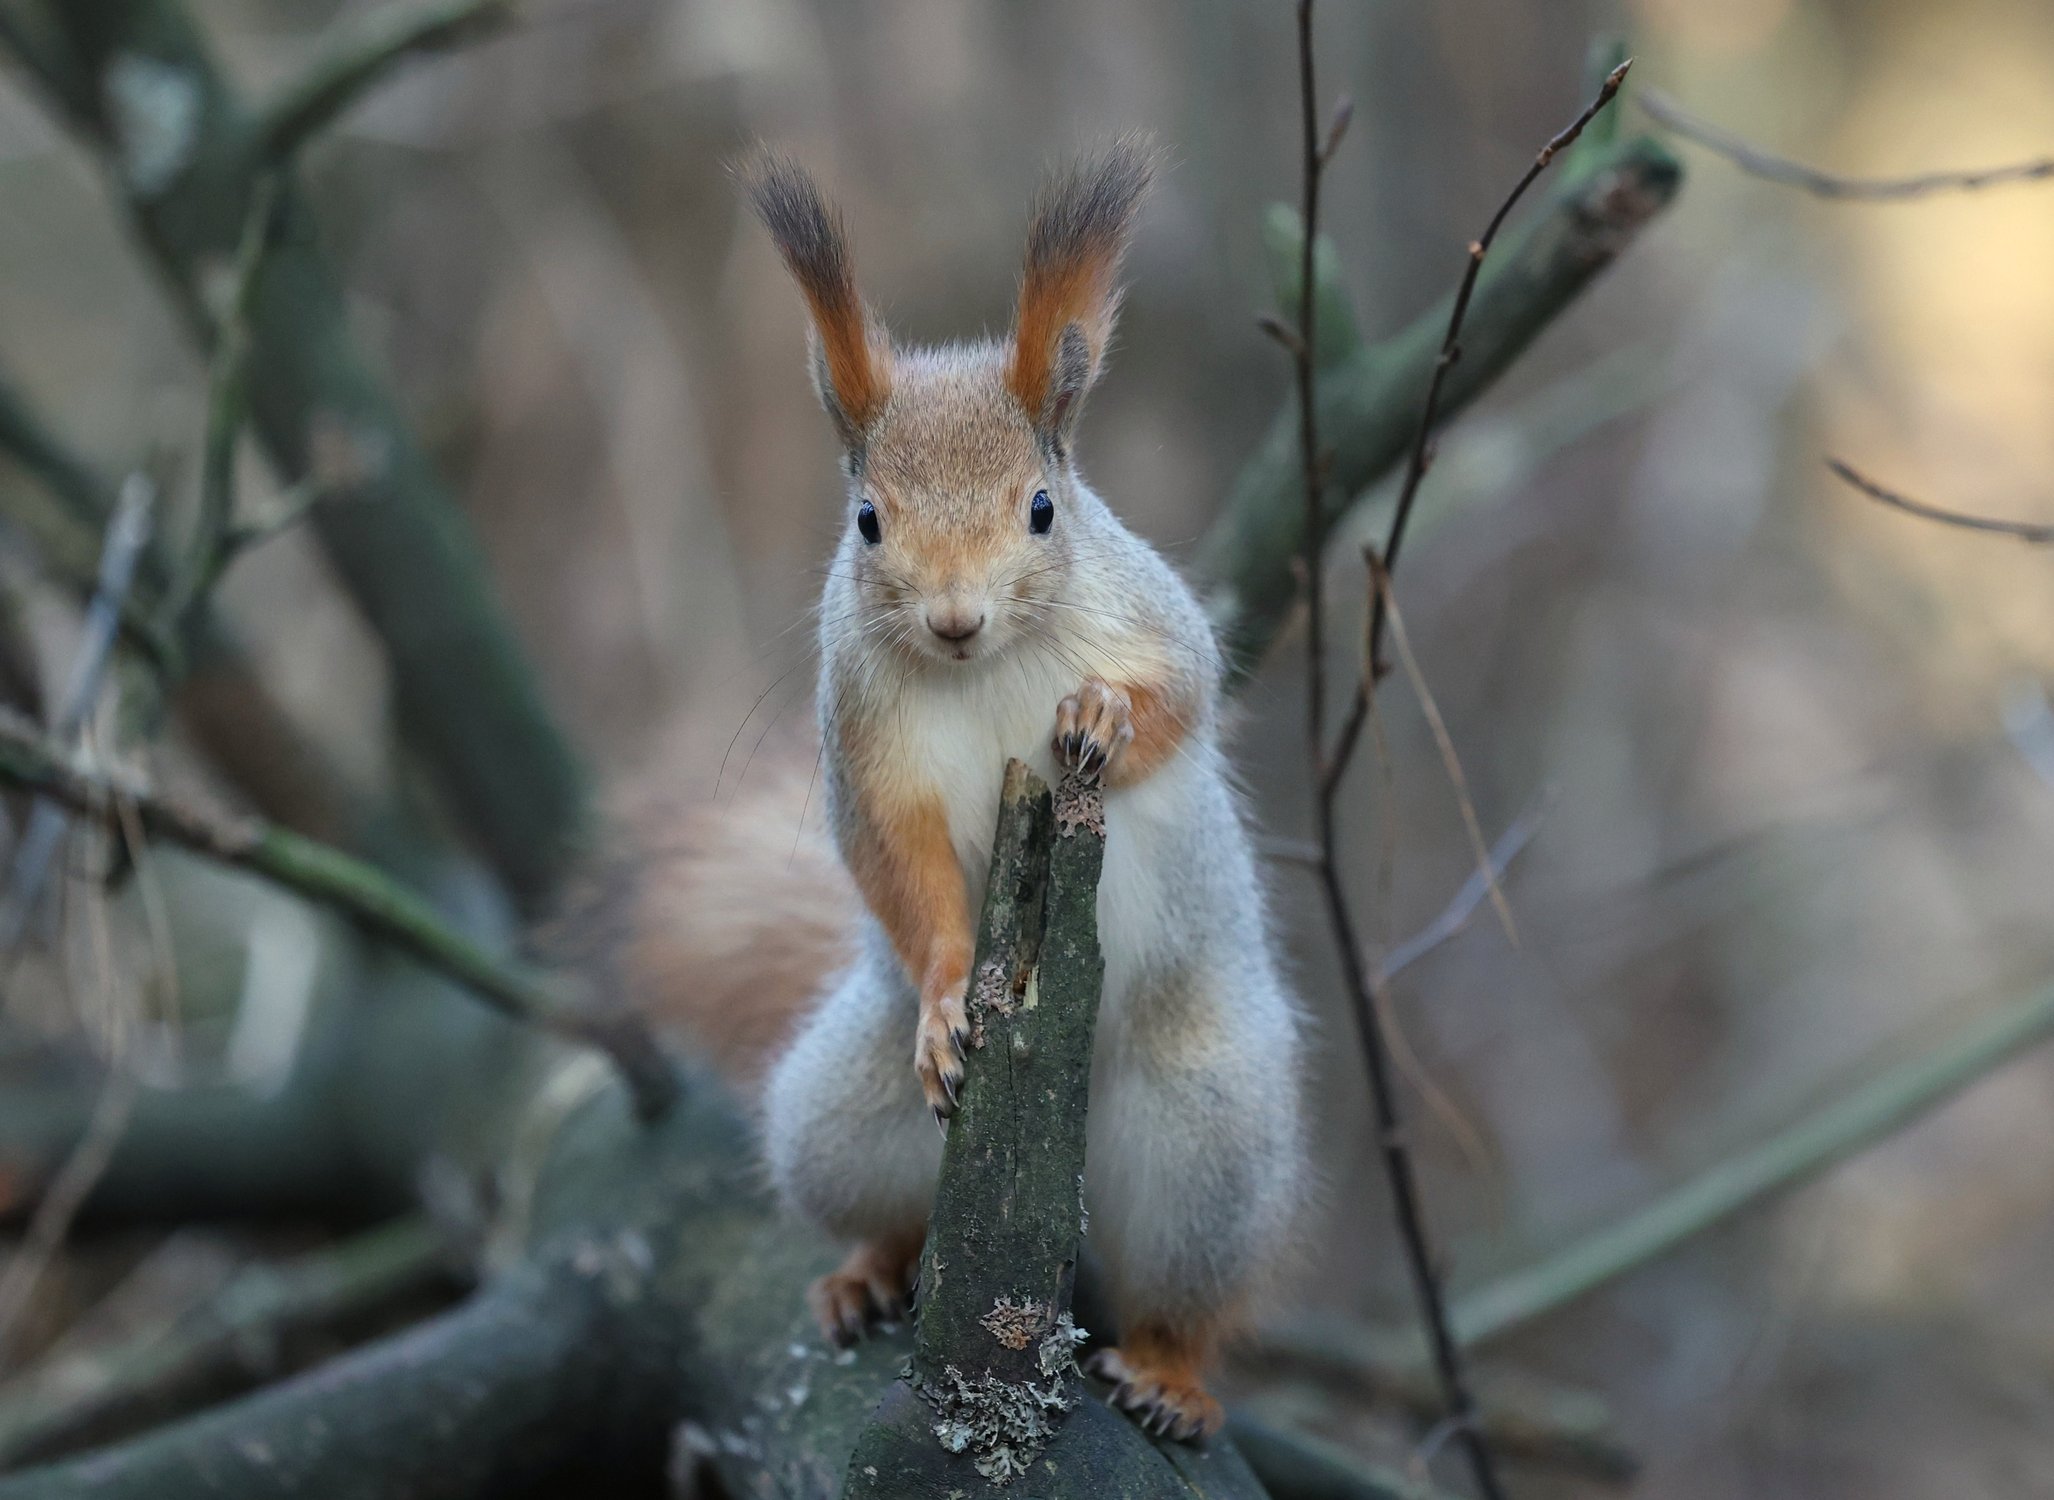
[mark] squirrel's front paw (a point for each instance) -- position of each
(938, 1049)
(1093, 725)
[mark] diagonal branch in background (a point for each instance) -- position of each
(1451, 351)
(1852, 1121)
(1535, 1420)
(71, 528)
(1772, 168)
(213, 543)
(1462, 906)
(1367, 400)
(231, 1338)
(128, 537)
(466, 699)
(1486, 868)
(2024, 531)
(359, 891)
(368, 51)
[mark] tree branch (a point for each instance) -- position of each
(1302, 1467)
(466, 699)
(656, 1301)
(992, 1395)
(128, 538)
(2024, 531)
(1536, 1421)
(232, 1337)
(1463, 904)
(1368, 402)
(1400, 1174)
(487, 1399)
(1864, 1115)
(1771, 168)
(371, 50)
(358, 890)
(1451, 351)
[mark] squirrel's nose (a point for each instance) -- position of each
(955, 619)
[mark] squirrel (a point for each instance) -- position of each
(984, 603)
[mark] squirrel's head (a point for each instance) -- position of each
(962, 491)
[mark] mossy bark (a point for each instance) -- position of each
(991, 1397)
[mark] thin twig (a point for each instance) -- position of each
(128, 534)
(1398, 1166)
(87, 1160)
(1456, 915)
(213, 540)
(1292, 1463)
(1451, 346)
(1445, 743)
(362, 58)
(1536, 1419)
(66, 1195)
(2024, 531)
(359, 891)
(1771, 168)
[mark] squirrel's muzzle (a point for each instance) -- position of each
(955, 618)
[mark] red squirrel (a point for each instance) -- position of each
(984, 603)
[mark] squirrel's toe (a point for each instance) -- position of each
(1167, 1401)
(874, 1285)
(938, 1057)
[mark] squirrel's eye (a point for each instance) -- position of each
(866, 522)
(1041, 514)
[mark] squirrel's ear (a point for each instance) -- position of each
(1070, 290)
(851, 352)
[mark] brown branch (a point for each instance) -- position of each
(1756, 162)
(1445, 743)
(2025, 531)
(1399, 1170)
(1451, 348)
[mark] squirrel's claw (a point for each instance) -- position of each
(871, 1287)
(1164, 1402)
(938, 1052)
(1093, 725)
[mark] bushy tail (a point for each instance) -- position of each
(723, 922)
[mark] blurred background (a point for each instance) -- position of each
(1791, 754)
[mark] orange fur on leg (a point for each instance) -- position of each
(906, 867)
(1158, 1374)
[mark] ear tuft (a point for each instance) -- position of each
(851, 352)
(1069, 292)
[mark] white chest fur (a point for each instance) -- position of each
(962, 727)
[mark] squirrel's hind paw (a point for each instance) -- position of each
(1165, 1398)
(874, 1285)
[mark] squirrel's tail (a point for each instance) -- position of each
(726, 920)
